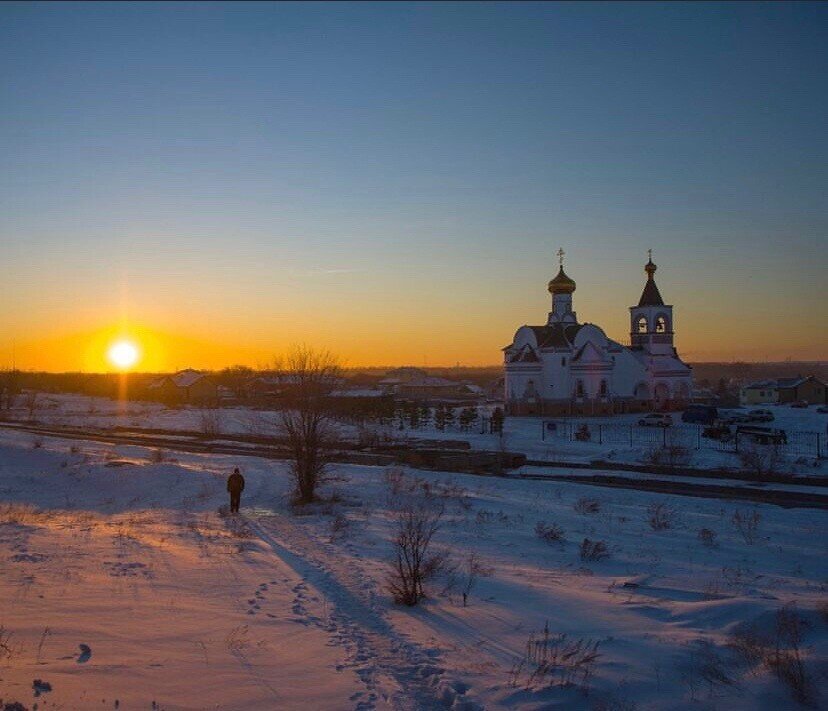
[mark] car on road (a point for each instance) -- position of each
(656, 419)
(760, 416)
(733, 418)
(700, 414)
(800, 404)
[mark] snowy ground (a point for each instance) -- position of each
(520, 434)
(181, 607)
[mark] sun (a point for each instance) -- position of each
(123, 354)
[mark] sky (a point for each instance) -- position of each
(392, 181)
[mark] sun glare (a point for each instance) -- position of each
(123, 354)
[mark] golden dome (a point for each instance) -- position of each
(561, 284)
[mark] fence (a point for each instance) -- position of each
(797, 444)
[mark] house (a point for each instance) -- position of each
(763, 392)
(186, 386)
(415, 384)
(808, 389)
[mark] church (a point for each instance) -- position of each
(571, 368)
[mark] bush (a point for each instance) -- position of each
(747, 524)
(587, 506)
(660, 516)
(557, 659)
(708, 537)
(672, 455)
(549, 532)
(761, 460)
(339, 528)
(780, 652)
(413, 565)
(210, 422)
(593, 550)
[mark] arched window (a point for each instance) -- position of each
(579, 388)
(563, 361)
(661, 325)
(641, 324)
(604, 391)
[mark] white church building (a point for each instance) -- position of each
(571, 368)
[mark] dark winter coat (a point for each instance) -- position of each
(235, 483)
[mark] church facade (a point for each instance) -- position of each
(569, 368)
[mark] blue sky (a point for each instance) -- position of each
(396, 179)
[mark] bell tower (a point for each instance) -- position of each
(651, 322)
(561, 288)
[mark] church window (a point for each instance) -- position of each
(641, 324)
(603, 388)
(661, 325)
(579, 388)
(563, 361)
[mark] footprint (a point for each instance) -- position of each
(85, 653)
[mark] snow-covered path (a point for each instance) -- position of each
(396, 672)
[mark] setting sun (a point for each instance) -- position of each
(123, 354)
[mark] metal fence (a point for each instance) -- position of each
(797, 444)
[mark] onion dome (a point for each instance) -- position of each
(650, 268)
(561, 284)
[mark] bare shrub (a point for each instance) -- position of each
(748, 644)
(660, 516)
(586, 505)
(306, 420)
(157, 455)
(413, 565)
(780, 651)
(210, 422)
(708, 537)
(550, 532)
(786, 660)
(670, 455)
(31, 402)
(557, 660)
(707, 665)
(593, 550)
(6, 649)
(747, 524)
(761, 460)
(339, 528)
(472, 570)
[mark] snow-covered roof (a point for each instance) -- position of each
(188, 377)
(358, 392)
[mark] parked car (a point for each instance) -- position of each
(800, 404)
(719, 431)
(761, 435)
(760, 416)
(700, 414)
(656, 419)
(823, 409)
(734, 418)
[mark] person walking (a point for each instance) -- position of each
(235, 485)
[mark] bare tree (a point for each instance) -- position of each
(306, 420)
(473, 569)
(210, 422)
(412, 566)
(31, 403)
